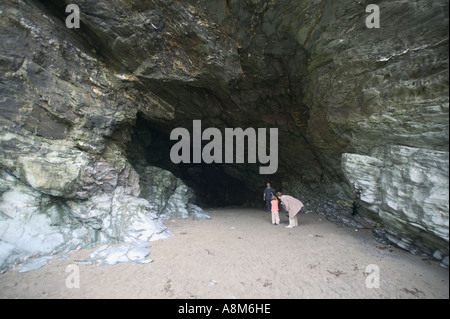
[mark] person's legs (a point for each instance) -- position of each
(277, 218)
(293, 222)
(296, 217)
(273, 217)
(269, 206)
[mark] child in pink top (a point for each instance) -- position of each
(275, 213)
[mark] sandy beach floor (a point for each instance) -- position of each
(240, 254)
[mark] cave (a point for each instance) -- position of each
(86, 114)
(214, 187)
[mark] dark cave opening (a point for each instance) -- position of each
(213, 185)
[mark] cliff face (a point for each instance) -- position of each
(362, 113)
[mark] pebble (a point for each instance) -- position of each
(212, 283)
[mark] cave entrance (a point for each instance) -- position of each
(213, 184)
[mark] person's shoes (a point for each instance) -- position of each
(289, 226)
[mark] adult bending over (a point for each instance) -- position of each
(293, 206)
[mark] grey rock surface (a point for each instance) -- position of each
(197, 212)
(127, 252)
(35, 263)
(35, 224)
(408, 194)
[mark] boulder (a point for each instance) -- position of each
(406, 190)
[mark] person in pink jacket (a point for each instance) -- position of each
(274, 208)
(293, 206)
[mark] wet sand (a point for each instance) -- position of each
(240, 254)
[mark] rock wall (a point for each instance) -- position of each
(379, 116)
(362, 113)
(48, 218)
(65, 183)
(406, 190)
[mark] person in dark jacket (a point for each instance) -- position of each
(268, 197)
